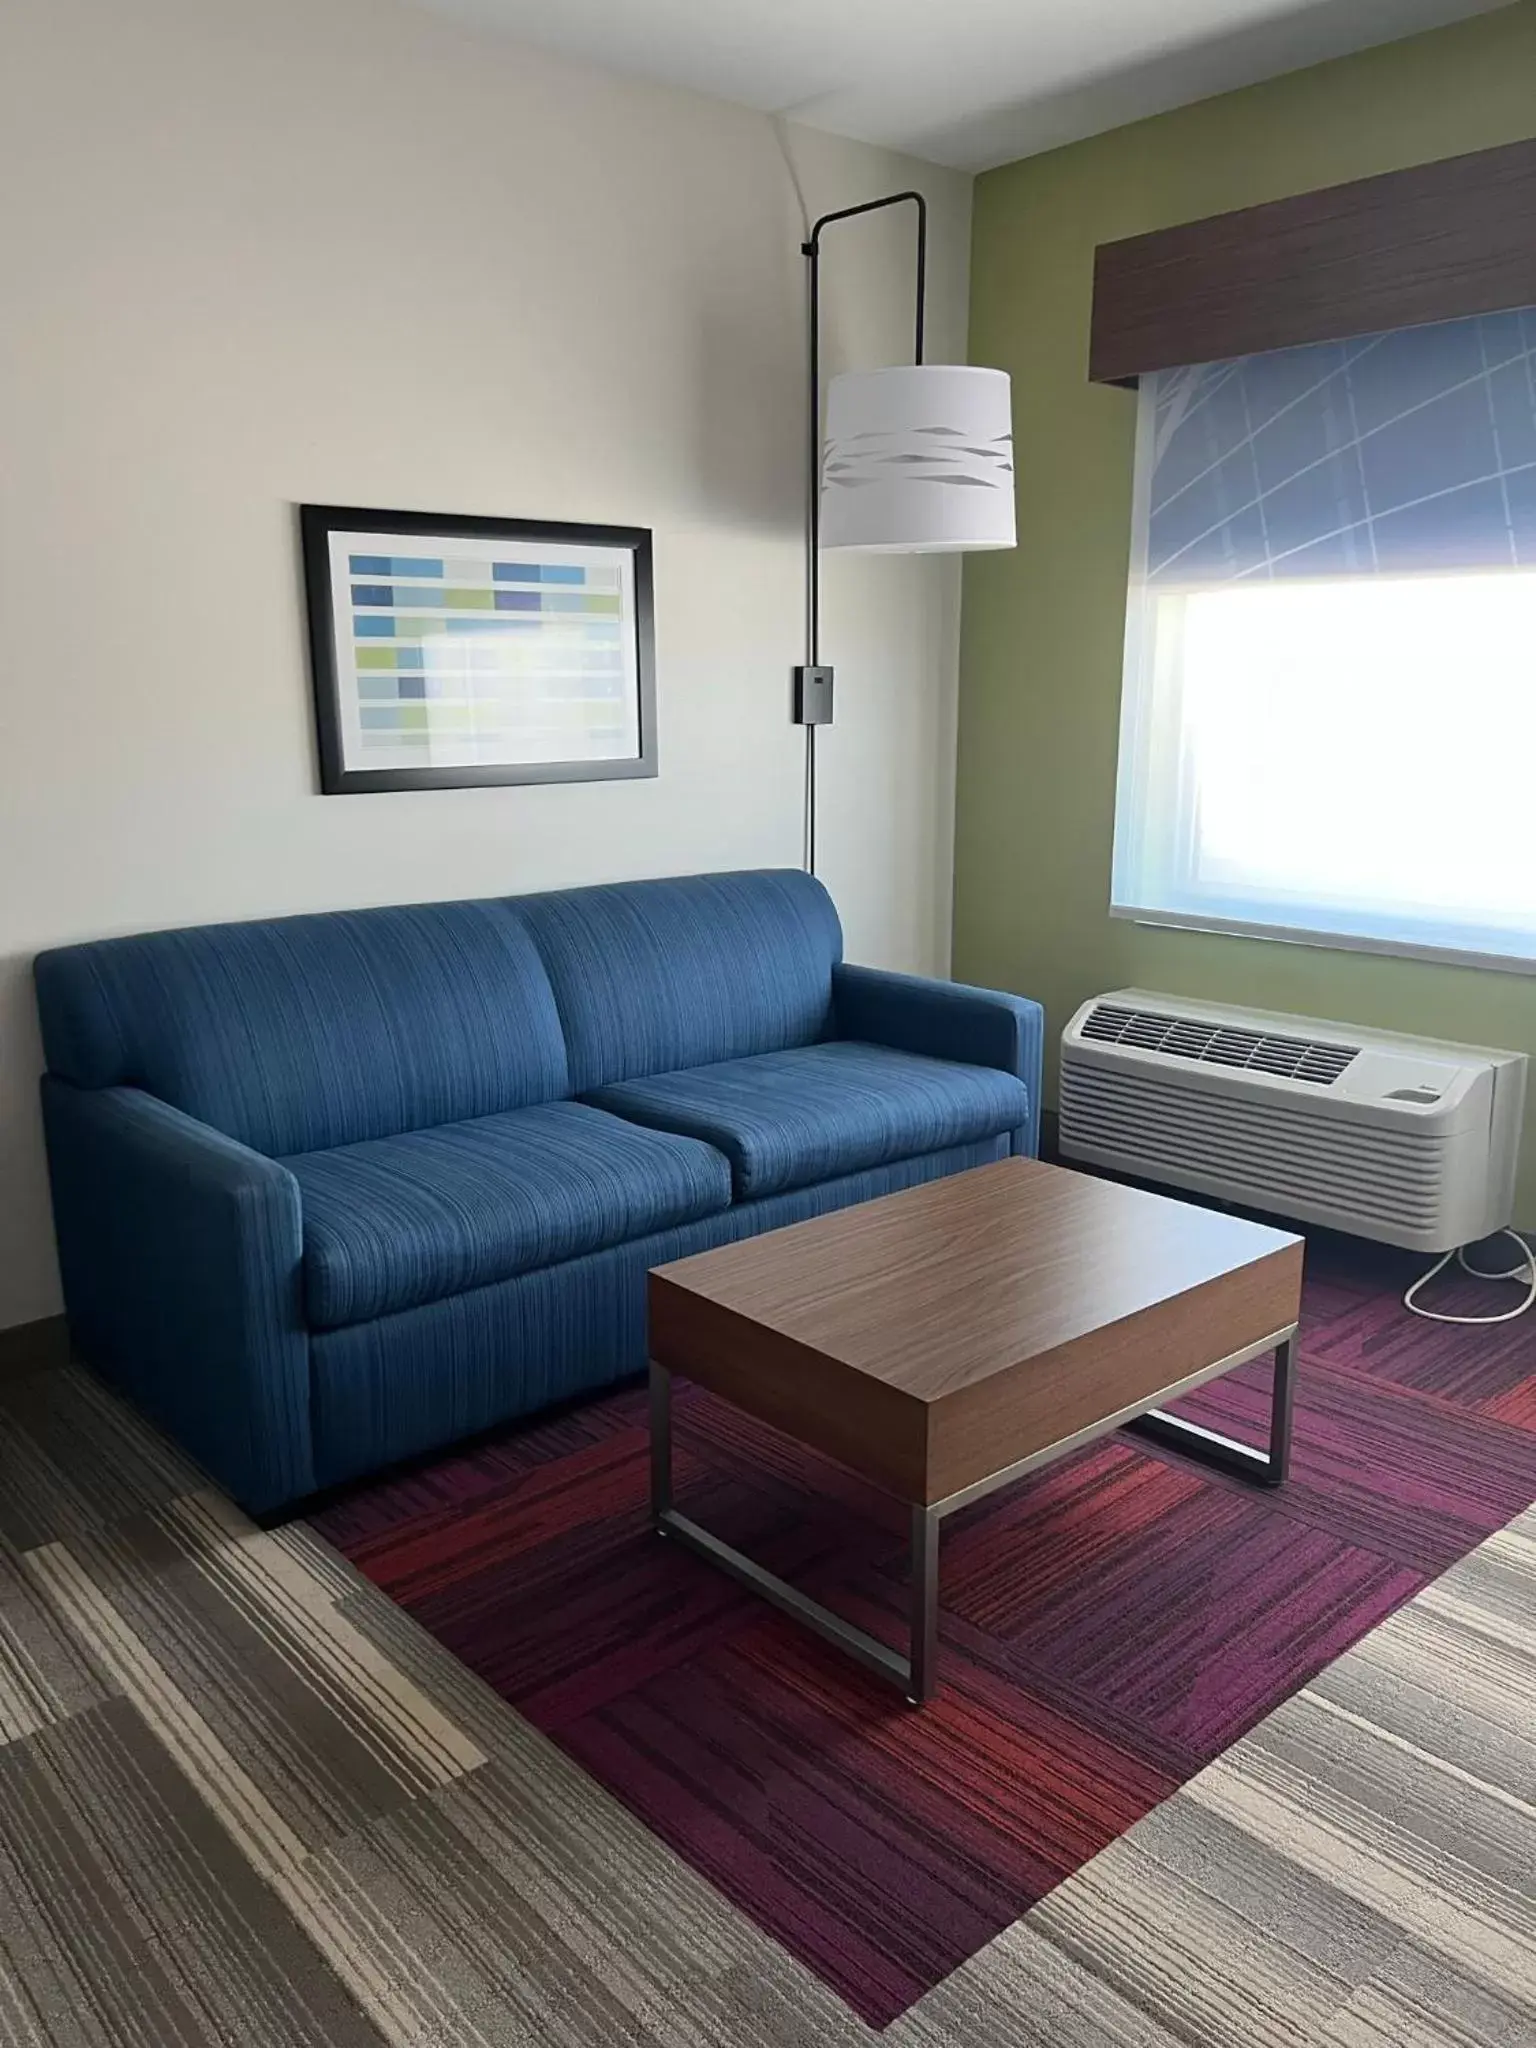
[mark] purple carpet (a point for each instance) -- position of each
(1109, 1626)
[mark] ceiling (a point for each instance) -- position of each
(965, 82)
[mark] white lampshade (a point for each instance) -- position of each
(918, 460)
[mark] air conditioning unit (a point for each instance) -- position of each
(1400, 1139)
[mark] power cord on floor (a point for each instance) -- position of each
(1525, 1273)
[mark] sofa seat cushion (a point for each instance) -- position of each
(394, 1222)
(789, 1119)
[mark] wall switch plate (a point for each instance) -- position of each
(813, 695)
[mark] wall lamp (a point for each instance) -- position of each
(917, 460)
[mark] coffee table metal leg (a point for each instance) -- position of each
(915, 1674)
(661, 1443)
(1281, 1409)
(1224, 1453)
(925, 1606)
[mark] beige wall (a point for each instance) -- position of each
(340, 250)
(1044, 626)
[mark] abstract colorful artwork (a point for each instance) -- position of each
(454, 651)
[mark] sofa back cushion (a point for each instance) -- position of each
(305, 1032)
(651, 976)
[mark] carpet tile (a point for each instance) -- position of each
(139, 1920)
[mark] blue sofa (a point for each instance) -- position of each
(332, 1191)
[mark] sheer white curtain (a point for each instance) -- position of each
(1329, 716)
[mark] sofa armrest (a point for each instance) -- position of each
(948, 1021)
(181, 1254)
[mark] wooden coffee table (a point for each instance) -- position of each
(946, 1341)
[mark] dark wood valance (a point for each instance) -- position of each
(1439, 242)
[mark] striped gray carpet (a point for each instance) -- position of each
(244, 1799)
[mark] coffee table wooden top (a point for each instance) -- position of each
(931, 1338)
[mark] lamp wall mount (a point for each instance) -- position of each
(813, 694)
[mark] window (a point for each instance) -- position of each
(1329, 721)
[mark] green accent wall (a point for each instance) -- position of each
(1042, 626)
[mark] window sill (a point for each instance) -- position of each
(1340, 942)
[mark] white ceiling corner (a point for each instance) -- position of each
(970, 83)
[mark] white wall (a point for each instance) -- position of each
(261, 251)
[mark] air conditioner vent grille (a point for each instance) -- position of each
(1219, 1045)
(1282, 1158)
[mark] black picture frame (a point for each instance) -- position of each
(339, 776)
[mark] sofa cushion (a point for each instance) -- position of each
(787, 1119)
(303, 1032)
(395, 1222)
(652, 976)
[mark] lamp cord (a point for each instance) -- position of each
(1524, 1272)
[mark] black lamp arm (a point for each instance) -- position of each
(812, 248)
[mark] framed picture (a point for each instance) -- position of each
(450, 652)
